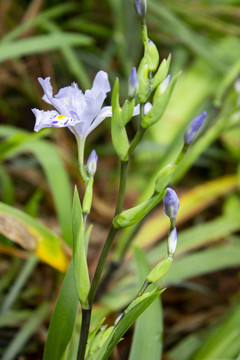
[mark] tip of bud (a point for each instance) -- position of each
(141, 7)
(133, 83)
(171, 203)
(92, 163)
(172, 242)
(193, 127)
(164, 84)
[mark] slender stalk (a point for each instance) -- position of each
(86, 316)
(136, 140)
(111, 236)
(122, 186)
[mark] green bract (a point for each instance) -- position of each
(143, 90)
(127, 111)
(161, 73)
(151, 56)
(135, 214)
(163, 177)
(118, 131)
(160, 103)
(87, 200)
(160, 270)
(80, 268)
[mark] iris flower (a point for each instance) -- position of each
(81, 113)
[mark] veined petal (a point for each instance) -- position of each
(72, 99)
(95, 97)
(49, 98)
(50, 118)
(105, 112)
(147, 108)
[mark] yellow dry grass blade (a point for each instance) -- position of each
(33, 236)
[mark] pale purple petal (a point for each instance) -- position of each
(50, 118)
(95, 97)
(105, 112)
(49, 98)
(72, 100)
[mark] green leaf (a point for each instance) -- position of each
(227, 81)
(39, 43)
(224, 342)
(204, 262)
(118, 131)
(47, 154)
(26, 332)
(80, 268)
(135, 214)
(63, 319)
(147, 344)
(18, 284)
(133, 311)
(6, 187)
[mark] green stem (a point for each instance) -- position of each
(101, 262)
(122, 186)
(136, 140)
(86, 317)
(81, 147)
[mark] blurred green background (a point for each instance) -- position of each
(71, 41)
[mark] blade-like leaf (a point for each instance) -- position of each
(63, 319)
(133, 311)
(147, 344)
(40, 43)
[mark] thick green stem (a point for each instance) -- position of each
(86, 317)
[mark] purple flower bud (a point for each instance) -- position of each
(133, 83)
(92, 163)
(193, 127)
(141, 7)
(172, 242)
(171, 203)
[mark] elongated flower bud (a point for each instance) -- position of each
(133, 83)
(141, 7)
(172, 242)
(92, 163)
(171, 203)
(193, 128)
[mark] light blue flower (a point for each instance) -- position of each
(81, 113)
